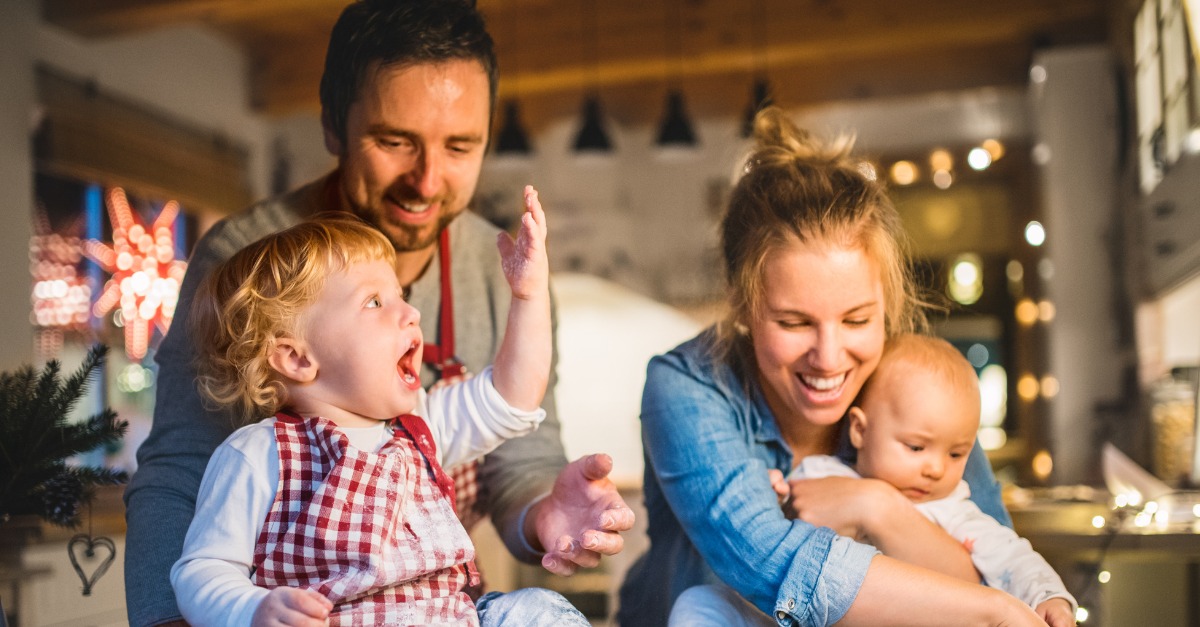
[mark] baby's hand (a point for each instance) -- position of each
(525, 264)
(1056, 612)
(779, 484)
(292, 606)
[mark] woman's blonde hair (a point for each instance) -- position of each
(258, 295)
(795, 188)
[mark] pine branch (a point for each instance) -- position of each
(37, 437)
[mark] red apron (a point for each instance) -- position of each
(375, 533)
(441, 357)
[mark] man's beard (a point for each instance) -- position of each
(405, 237)
(408, 239)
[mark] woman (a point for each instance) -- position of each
(818, 279)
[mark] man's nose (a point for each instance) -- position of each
(426, 175)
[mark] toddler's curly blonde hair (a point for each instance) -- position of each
(258, 295)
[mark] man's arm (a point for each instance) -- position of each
(161, 497)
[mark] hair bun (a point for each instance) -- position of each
(779, 141)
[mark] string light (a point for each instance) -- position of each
(145, 273)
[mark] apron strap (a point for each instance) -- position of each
(441, 356)
(419, 433)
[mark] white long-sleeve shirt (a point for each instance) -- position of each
(212, 577)
(1004, 559)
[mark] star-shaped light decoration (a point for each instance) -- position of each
(60, 296)
(145, 273)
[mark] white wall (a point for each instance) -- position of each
(185, 72)
(18, 21)
(1076, 117)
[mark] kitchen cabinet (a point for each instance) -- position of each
(1169, 220)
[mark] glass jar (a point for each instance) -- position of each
(1173, 429)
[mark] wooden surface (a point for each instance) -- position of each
(551, 50)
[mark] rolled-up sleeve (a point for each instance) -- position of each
(701, 445)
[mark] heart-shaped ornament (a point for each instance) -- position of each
(88, 545)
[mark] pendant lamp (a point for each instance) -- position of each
(676, 129)
(760, 98)
(592, 136)
(513, 139)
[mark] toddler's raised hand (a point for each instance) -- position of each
(524, 260)
(294, 607)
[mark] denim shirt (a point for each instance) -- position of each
(713, 516)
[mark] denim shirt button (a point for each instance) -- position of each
(791, 604)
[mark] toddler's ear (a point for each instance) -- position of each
(291, 358)
(858, 426)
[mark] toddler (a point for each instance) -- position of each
(336, 508)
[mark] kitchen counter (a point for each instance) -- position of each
(1153, 570)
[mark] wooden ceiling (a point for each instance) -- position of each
(812, 51)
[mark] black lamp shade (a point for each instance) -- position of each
(760, 100)
(676, 128)
(512, 140)
(592, 137)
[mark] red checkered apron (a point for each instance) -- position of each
(375, 533)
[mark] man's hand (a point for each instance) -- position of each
(582, 517)
(292, 606)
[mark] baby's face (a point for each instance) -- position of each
(915, 432)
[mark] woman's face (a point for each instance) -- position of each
(821, 330)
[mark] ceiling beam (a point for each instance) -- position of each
(840, 47)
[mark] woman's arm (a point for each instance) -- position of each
(899, 594)
(703, 446)
(874, 512)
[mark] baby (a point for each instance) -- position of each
(336, 506)
(914, 425)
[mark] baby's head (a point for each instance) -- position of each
(259, 298)
(915, 421)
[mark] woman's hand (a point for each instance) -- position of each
(292, 606)
(874, 512)
(848, 506)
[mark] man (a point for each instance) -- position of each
(407, 95)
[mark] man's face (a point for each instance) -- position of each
(413, 149)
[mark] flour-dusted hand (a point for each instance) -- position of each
(521, 370)
(293, 607)
(525, 263)
(582, 518)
